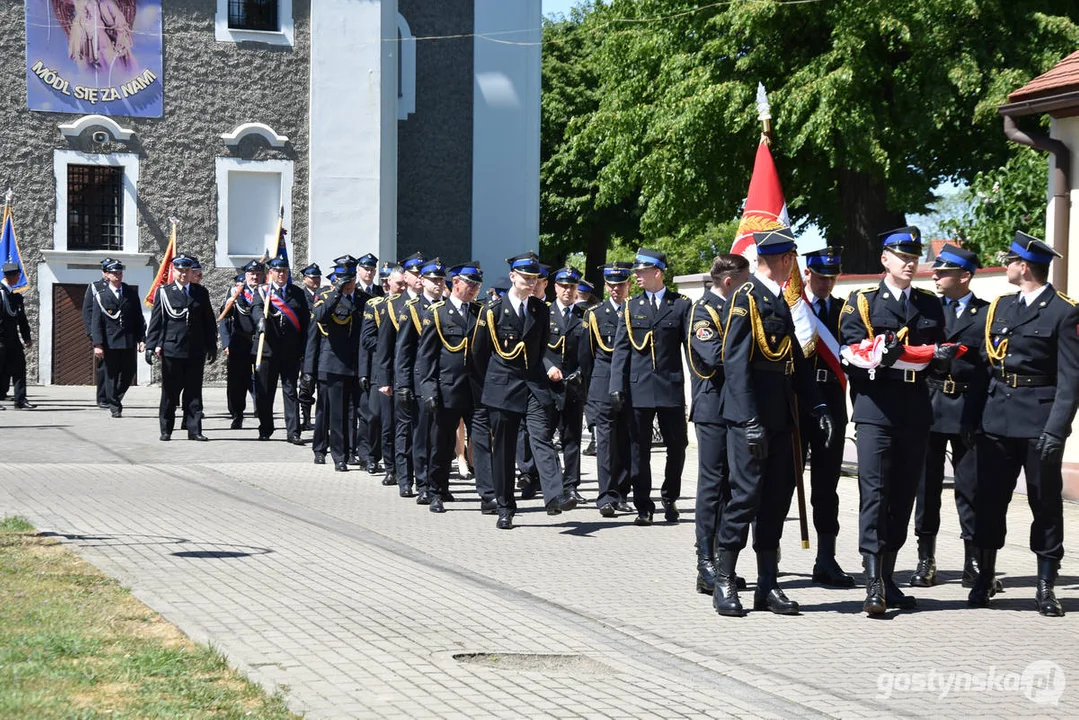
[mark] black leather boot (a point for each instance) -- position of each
(706, 574)
(1048, 604)
(768, 595)
(925, 575)
(893, 596)
(971, 568)
(305, 414)
(826, 570)
(725, 596)
(874, 587)
(986, 565)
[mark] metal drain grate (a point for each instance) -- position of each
(548, 664)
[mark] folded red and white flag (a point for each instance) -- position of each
(868, 353)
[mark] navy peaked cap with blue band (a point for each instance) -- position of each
(775, 242)
(905, 240)
(826, 261)
(367, 261)
(413, 262)
(1029, 248)
(106, 261)
(953, 257)
(312, 270)
(385, 270)
(525, 263)
(433, 269)
(616, 273)
(253, 266)
(278, 263)
(183, 261)
(239, 278)
(345, 260)
(567, 275)
(586, 287)
(114, 266)
(647, 258)
(544, 270)
(470, 271)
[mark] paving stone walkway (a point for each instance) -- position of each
(362, 604)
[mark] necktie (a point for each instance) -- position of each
(565, 314)
(903, 301)
(655, 304)
(822, 310)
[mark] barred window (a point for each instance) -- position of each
(95, 207)
(253, 15)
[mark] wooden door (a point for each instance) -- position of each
(72, 352)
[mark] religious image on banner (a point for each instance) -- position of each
(94, 57)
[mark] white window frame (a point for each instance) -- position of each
(225, 165)
(284, 36)
(129, 162)
(406, 100)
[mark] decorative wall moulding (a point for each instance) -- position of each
(233, 138)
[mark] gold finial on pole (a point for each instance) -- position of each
(764, 112)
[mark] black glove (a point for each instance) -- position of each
(260, 326)
(1050, 446)
(825, 423)
(211, 356)
(893, 348)
(365, 384)
(430, 404)
(757, 439)
(966, 434)
(149, 354)
(618, 401)
(574, 379)
(946, 351)
(404, 395)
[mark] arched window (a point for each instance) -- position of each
(406, 69)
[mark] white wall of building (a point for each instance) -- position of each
(506, 132)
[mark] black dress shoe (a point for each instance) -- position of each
(577, 496)
(264, 436)
(355, 460)
(925, 574)
(424, 498)
(552, 508)
(25, 405)
(197, 436)
(567, 502)
(320, 458)
(117, 413)
(448, 497)
(827, 572)
(670, 511)
(488, 507)
(590, 449)
(775, 601)
(102, 405)
(165, 437)
(295, 439)
(340, 467)
(505, 521)
(436, 505)
(237, 423)
(623, 507)
(407, 492)
(389, 480)
(606, 510)
(372, 468)
(643, 519)
(531, 487)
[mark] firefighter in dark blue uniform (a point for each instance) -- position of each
(237, 335)
(892, 412)
(365, 452)
(312, 283)
(117, 329)
(827, 461)
(381, 427)
(87, 316)
(564, 345)
(1032, 345)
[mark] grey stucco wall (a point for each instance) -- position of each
(434, 150)
(209, 89)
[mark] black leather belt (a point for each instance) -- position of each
(785, 367)
(907, 376)
(1016, 380)
(826, 377)
(948, 386)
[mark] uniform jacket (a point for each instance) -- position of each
(182, 325)
(1042, 340)
(564, 344)
(513, 353)
(953, 411)
(312, 296)
(374, 314)
(652, 375)
(88, 302)
(238, 326)
(596, 348)
(387, 341)
(13, 320)
(313, 341)
(374, 291)
(117, 324)
(887, 399)
(444, 361)
(763, 361)
(409, 329)
(338, 319)
(827, 382)
(705, 357)
(284, 339)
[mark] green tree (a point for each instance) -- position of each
(875, 103)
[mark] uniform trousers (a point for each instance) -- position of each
(569, 421)
(99, 382)
(421, 446)
(119, 373)
(999, 461)
(270, 371)
(612, 453)
(239, 369)
(338, 392)
(826, 465)
(358, 423)
(371, 426)
(965, 471)
(480, 438)
(505, 425)
(320, 439)
(713, 484)
(13, 368)
(672, 425)
(760, 491)
(891, 462)
(404, 416)
(181, 375)
(381, 432)
(443, 442)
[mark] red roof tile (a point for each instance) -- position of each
(1063, 77)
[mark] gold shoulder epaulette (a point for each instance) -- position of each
(1067, 299)
(412, 301)
(376, 300)
(393, 296)
(926, 292)
(747, 287)
(434, 305)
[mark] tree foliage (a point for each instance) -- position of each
(874, 103)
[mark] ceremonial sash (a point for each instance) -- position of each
(284, 309)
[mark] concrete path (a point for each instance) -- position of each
(362, 604)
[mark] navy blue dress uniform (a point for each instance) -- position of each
(375, 288)
(237, 329)
(380, 424)
(320, 438)
(511, 350)
(611, 427)
(366, 450)
(567, 328)
(339, 316)
(406, 377)
(892, 414)
(404, 406)
(183, 326)
(357, 441)
(646, 374)
(529, 481)
(87, 316)
(14, 334)
(827, 460)
(764, 369)
(447, 381)
(305, 392)
(1032, 345)
(285, 329)
(957, 397)
(117, 327)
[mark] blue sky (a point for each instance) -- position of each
(562, 6)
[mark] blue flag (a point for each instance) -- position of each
(9, 250)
